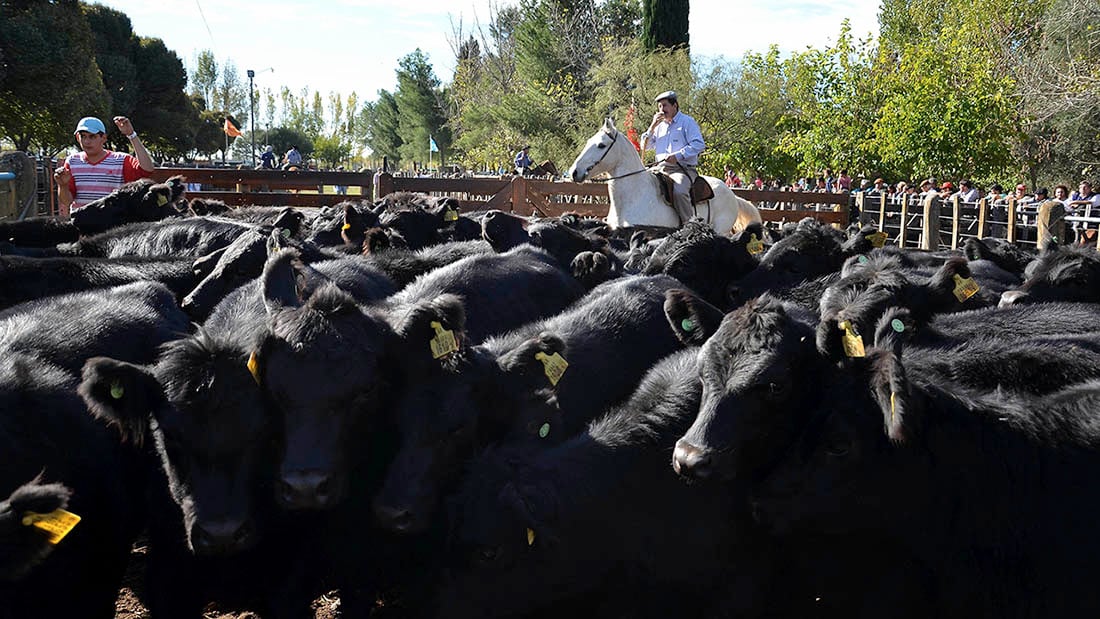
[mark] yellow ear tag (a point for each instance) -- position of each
(530, 537)
(554, 365)
(892, 406)
(444, 342)
(345, 227)
(878, 239)
(450, 215)
(965, 288)
(852, 341)
(161, 200)
(755, 245)
(254, 367)
(57, 523)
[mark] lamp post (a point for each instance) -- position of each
(252, 115)
(252, 110)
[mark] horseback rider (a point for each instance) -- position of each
(677, 141)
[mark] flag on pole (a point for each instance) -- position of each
(631, 132)
(432, 147)
(232, 128)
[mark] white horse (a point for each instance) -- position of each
(635, 193)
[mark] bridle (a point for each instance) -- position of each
(605, 152)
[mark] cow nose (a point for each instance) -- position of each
(691, 462)
(220, 536)
(1011, 297)
(395, 518)
(306, 490)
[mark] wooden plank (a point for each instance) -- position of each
(234, 198)
(826, 217)
(1011, 234)
(983, 214)
(955, 222)
(480, 186)
(904, 227)
(227, 177)
(794, 197)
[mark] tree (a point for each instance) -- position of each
(664, 24)
(332, 150)
(381, 120)
(168, 118)
(420, 108)
(114, 54)
(51, 76)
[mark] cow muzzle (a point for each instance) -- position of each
(692, 462)
(309, 490)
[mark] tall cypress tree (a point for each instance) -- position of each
(664, 24)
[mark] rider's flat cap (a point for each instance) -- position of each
(668, 94)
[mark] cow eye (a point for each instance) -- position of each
(837, 449)
(486, 555)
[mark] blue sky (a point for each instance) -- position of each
(354, 45)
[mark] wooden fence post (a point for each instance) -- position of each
(519, 194)
(955, 222)
(902, 233)
(383, 184)
(1010, 235)
(860, 205)
(983, 214)
(1050, 224)
(930, 234)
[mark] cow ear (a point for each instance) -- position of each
(204, 265)
(434, 326)
(540, 527)
(375, 240)
(829, 337)
(537, 363)
(122, 394)
(896, 327)
(891, 390)
(282, 282)
(354, 224)
(860, 242)
(943, 282)
(692, 319)
(289, 219)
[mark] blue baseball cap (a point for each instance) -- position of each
(91, 124)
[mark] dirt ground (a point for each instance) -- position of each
(129, 604)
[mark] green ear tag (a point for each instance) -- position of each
(544, 430)
(285, 232)
(554, 366)
(898, 325)
(116, 390)
(687, 324)
(863, 260)
(444, 342)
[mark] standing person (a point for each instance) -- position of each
(522, 160)
(267, 160)
(95, 171)
(844, 181)
(677, 140)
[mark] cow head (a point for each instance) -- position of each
(504, 231)
(755, 372)
(1064, 274)
(703, 260)
(806, 252)
(23, 547)
(215, 437)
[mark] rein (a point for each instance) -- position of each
(605, 153)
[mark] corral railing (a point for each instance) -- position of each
(271, 187)
(531, 196)
(933, 223)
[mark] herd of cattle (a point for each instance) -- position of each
(455, 415)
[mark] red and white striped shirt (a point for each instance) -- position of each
(92, 181)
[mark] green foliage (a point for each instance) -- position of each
(420, 109)
(332, 150)
(381, 122)
(664, 24)
(51, 77)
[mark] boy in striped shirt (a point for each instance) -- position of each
(95, 171)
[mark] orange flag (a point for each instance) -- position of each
(631, 132)
(231, 128)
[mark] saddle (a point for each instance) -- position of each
(700, 191)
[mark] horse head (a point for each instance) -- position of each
(595, 157)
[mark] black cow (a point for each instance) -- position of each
(704, 260)
(405, 265)
(989, 490)
(190, 236)
(808, 252)
(21, 546)
(140, 200)
(343, 225)
(601, 518)
(38, 232)
(503, 388)
(1009, 256)
(1061, 274)
(23, 279)
(760, 371)
(47, 433)
(329, 364)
